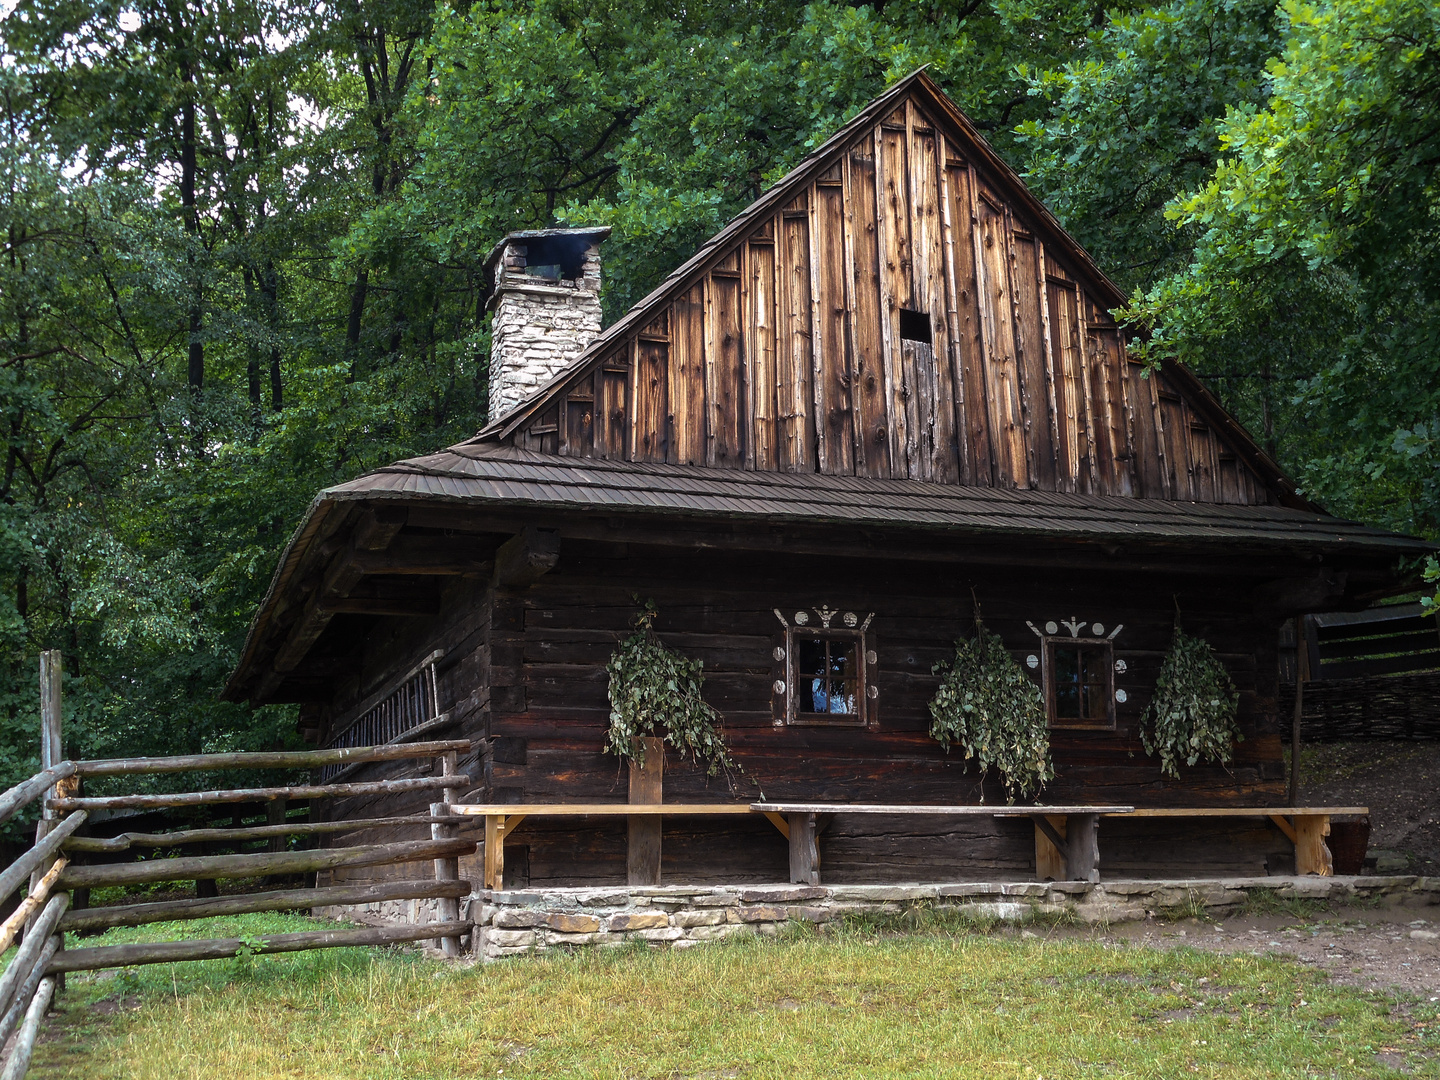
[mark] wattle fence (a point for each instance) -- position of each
(28, 985)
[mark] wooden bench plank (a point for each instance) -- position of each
(595, 809)
(943, 811)
(1242, 811)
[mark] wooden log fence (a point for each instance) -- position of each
(181, 837)
(93, 920)
(36, 970)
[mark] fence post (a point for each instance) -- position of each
(448, 907)
(51, 751)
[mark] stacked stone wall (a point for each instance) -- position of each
(516, 923)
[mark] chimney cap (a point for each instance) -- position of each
(599, 232)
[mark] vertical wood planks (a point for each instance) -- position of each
(892, 217)
(1065, 358)
(967, 363)
(868, 392)
(760, 314)
(578, 435)
(793, 346)
(935, 390)
(896, 317)
(725, 368)
(834, 423)
(652, 395)
(612, 425)
(1002, 383)
(1149, 460)
(1031, 359)
(687, 378)
(1119, 479)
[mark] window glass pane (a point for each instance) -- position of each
(827, 675)
(1093, 671)
(1081, 682)
(810, 668)
(1067, 678)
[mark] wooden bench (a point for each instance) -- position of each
(1306, 828)
(502, 818)
(1077, 850)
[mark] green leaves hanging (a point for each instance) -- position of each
(1192, 716)
(988, 705)
(655, 690)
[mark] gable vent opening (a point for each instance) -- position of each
(915, 326)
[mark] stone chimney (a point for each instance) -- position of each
(546, 302)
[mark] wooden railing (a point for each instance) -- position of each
(44, 915)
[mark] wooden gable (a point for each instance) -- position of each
(898, 306)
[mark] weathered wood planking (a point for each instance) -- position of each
(786, 350)
(794, 343)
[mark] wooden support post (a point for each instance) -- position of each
(1082, 847)
(647, 785)
(1312, 854)
(1050, 848)
(804, 850)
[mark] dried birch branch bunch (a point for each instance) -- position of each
(988, 705)
(1192, 716)
(654, 690)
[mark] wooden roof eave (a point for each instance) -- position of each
(718, 246)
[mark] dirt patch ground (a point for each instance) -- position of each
(1369, 948)
(1399, 781)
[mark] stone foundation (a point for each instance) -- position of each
(517, 923)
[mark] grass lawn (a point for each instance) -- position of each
(853, 1003)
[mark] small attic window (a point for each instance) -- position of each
(915, 326)
(556, 258)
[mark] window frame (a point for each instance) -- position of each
(1047, 652)
(860, 718)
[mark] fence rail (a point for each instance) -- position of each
(36, 972)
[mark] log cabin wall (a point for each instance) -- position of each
(897, 317)
(525, 671)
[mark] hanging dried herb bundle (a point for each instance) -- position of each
(988, 705)
(654, 690)
(1192, 716)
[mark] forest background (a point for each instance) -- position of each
(242, 245)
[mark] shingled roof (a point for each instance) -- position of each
(489, 475)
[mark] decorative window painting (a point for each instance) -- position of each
(827, 668)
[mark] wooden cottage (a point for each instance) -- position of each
(892, 387)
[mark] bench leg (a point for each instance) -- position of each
(1312, 854)
(494, 852)
(1082, 844)
(804, 851)
(1050, 856)
(642, 856)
